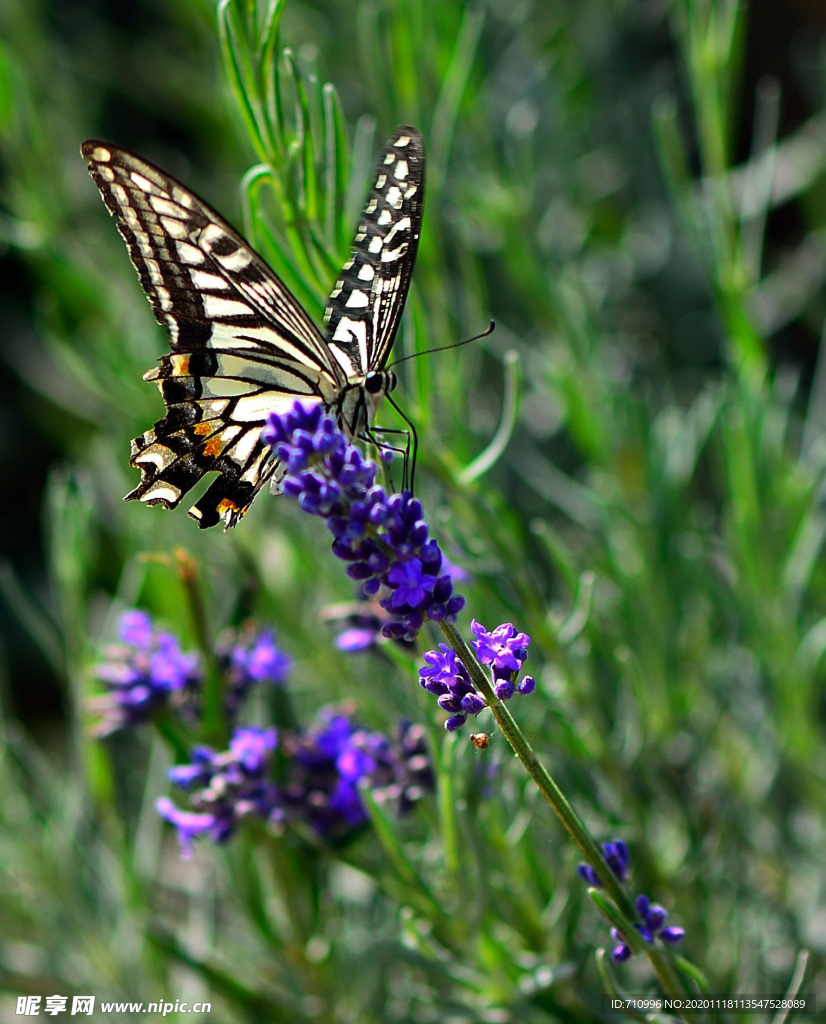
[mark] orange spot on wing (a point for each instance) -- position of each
(202, 428)
(213, 446)
(180, 365)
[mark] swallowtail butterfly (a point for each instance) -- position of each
(242, 345)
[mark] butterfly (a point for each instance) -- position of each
(242, 346)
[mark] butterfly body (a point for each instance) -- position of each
(242, 346)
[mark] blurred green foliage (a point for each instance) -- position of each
(631, 466)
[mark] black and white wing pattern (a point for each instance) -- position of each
(241, 344)
(365, 306)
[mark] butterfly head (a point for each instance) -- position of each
(357, 403)
(377, 384)
(380, 382)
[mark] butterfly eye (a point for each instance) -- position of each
(374, 382)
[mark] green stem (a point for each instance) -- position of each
(573, 824)
(545, 784)
(214, 728)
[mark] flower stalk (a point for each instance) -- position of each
(214, 726)
(573, 824)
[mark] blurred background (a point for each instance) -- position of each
(636, 193)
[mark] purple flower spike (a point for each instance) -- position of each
(618, 860)
(621, 952)
(383, 538)
(446, 677)
(356, 639)
(249, 656)
(224, 788)
(188, 823)
(652, 917)
(504, 650)
(504, 689)
(650, 926)
(587, 874)
(252, 747)
(136, 629)
(330, 760)
(144, 674)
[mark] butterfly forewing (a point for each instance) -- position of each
(365, 306)
(242, 345)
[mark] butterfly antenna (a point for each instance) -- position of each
(443, 348)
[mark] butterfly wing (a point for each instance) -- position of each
(366, 304)
(242, 345)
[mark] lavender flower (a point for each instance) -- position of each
(653, 923)
(327, 763)
(146, 672)
(362, 634)
(383, 537)
(651, 927)
(445, 676)
(224, 788)
(136, 629)
(618, 860)
(504, 651)
(328, 760)
(322, 769)
(622, 951)
(247, 657)
(405, 773)
(358, 624)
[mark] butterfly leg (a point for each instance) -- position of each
(411, 448)
(370, 436)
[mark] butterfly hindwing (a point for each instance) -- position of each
(205, 435)
(365, 306)
(242, 345)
